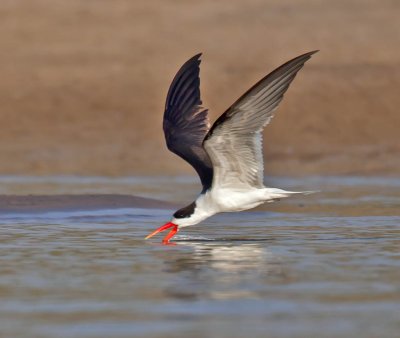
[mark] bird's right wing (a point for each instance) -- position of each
(234, 142)
(186, 122)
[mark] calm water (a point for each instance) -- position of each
(326, 265)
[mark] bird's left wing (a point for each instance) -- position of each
(186, 122)
(234, 143)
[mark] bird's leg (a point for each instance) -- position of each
(166, 226)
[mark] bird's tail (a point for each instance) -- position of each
(274, 194)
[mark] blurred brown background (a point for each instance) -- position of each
(83, 83)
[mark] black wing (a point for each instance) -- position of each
(186, 122)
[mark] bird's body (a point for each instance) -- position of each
(216, 201)
(227, 156)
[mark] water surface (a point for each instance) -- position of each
(326, 265)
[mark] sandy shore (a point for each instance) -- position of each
(83, 83)
(47, 203)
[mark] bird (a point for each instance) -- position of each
(228, 155)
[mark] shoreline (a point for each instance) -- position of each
(50, 203)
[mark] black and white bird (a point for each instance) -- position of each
(228, 156)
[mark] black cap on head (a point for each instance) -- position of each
(186, 211)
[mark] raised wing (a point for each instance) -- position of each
(186, 122)
(234, 143)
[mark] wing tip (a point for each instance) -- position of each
(308, 54)
(192, 63)
(313, 52)
(196, 57)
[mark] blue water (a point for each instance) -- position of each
(325, 265)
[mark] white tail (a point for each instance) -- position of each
(273, 194)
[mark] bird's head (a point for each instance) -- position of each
(182, 218)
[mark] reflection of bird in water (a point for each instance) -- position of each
(228, 156)
(238, 258)
(221, 271)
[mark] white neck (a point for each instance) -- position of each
(204, 209)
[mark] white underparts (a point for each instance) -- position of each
(229, 200)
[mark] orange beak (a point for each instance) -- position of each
(166, 226)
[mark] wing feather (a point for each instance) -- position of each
(234, 142)
(186, 121)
